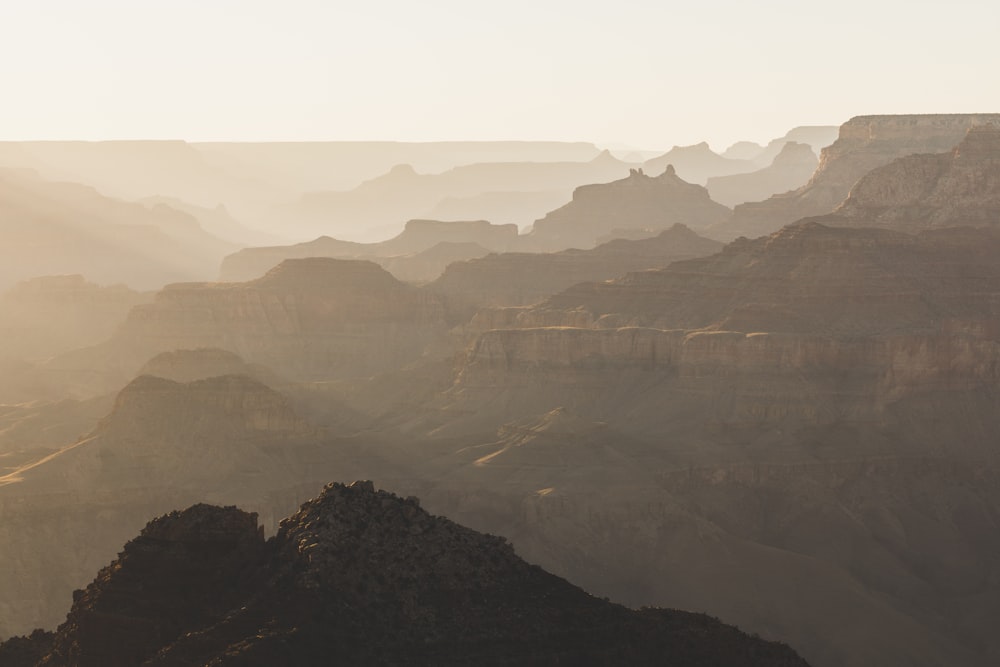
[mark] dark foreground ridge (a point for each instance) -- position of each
(358, 576)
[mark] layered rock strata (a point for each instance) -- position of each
(865, 143)
(636, 202)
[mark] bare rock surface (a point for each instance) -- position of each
(865, 142)
(365, 576)
(929, 191)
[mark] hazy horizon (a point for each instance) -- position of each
(642, 74)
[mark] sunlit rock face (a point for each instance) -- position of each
(865, 142)
(362, 575)
(928, 191)
(637, 202)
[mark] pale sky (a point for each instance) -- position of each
(636, 72)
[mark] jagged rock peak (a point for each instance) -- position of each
(203, 524)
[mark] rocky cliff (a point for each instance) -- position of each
(513, 279)
(636, 202)
(790, 169)
(314, 318)
(370, 578)
(865, 142)
(926, 191)
(418, 236)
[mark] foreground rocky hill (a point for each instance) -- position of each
(368, 577)
(865, 143)
(227, 439)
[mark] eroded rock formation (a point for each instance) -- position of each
(636, 202)
(865, 142)
(927, 191)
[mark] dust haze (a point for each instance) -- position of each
(532, 399)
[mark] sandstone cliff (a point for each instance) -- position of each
(821, 381)
(369, 578)
(636, 202)
(926, 191)
(865, 142)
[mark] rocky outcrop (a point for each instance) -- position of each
(698, 163)
(791, 168)
(184, 570)
(636, 202)
(419, 236)
(368, 577)
(865, 142)
(927, 191)
(307, 319)
(514, 279)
